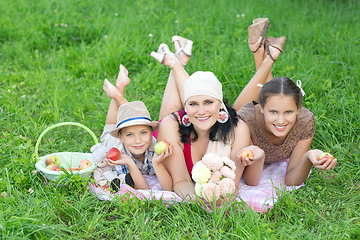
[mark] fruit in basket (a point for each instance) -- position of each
(160, 146)
(84, 164)
(113, 154)
(72, 169)
(52, 160)
(53, 167)
(325, 156)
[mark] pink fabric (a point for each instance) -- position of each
(260, 198)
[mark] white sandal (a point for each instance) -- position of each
(160, 54)
(185, 47)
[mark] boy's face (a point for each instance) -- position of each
(136, 138)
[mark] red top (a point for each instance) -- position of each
(187, 146)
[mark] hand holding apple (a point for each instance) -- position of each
(325, 156)
(160, 146)
(251, 154)
(166, 152)
(246, 153)
(113, 154)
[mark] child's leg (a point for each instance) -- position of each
(259, 56)
(116, 94)
(122, 80)
(262, 75)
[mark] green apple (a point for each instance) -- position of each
(52, 160)
(160, 146)
(325, 156)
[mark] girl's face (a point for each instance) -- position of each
(203, 111)
(280, 112)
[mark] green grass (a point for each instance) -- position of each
(55, 55)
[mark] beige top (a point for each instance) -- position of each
(304, 128)
(219, 148)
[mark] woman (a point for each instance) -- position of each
(201, 97)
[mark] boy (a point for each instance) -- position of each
(129, 128)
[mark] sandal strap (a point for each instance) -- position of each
(178, 56)
(172, 58)
(263, 32)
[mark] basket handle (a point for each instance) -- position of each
(58, 125)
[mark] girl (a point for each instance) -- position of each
(278, 123)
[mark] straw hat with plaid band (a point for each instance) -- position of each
(131, 114)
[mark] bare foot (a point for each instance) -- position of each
(122, 80)
(111, 90)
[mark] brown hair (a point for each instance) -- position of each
(282, 86)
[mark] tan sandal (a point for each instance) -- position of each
(277, 43)
(257, 30)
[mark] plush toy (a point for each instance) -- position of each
(104, 173)
(98, 151)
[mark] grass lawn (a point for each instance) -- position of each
(55, 55)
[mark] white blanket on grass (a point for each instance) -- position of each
(260, 198)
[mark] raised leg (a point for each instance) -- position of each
(173, 98)
(251, 90)
(116, 93)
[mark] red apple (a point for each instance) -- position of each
(246, 153)
(113, 154)
(160, 146)
(52, 160)
(53, 167)
(325, 156)
(84, 164)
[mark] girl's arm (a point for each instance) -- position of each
(162, 174)
(301, 162)
(175, 164)
(138, 178)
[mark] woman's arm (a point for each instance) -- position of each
(301, 162)
(175, 164)
(250, 172)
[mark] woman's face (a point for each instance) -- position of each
(280, 112)
(203, 111)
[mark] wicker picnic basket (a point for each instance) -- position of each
(67, 159)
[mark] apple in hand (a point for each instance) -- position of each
(53, 167)
(84, 164)
(325, 156)
(246, 153)
(113, 154)
(160, 146)
(52, 160)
